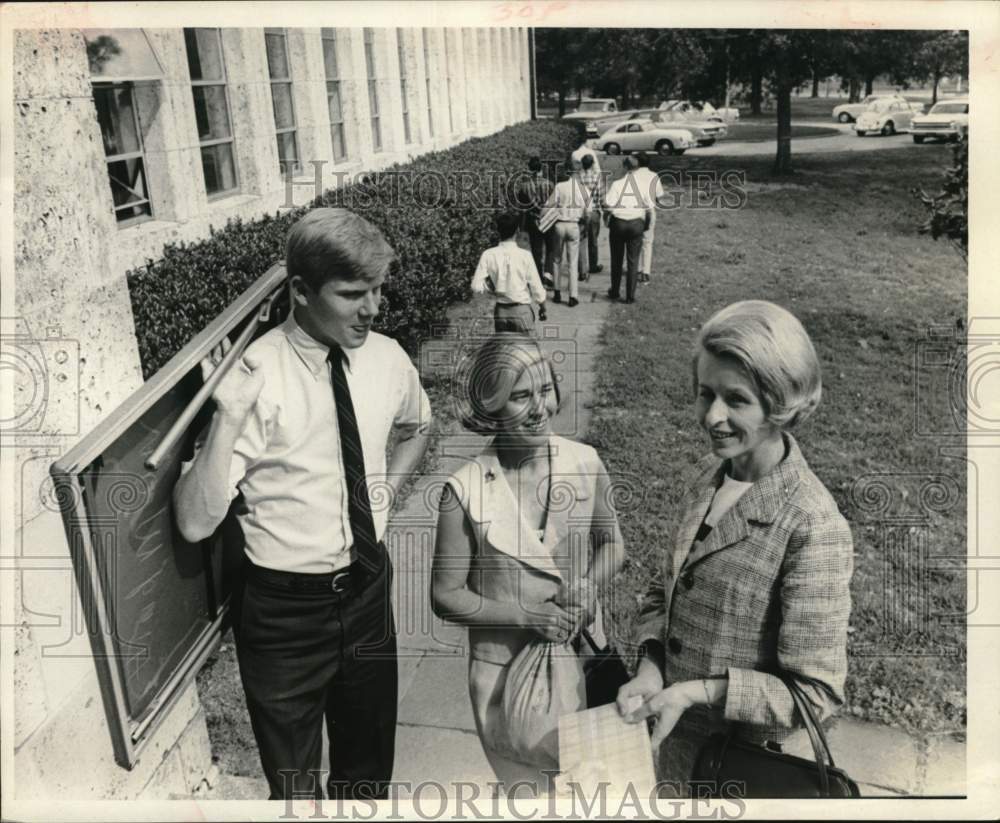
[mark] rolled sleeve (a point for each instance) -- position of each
(482, 272)
(812, 639)
(414, 411)
(651, 622)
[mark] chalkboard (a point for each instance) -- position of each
(154, 603)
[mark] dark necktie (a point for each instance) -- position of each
(359, 508)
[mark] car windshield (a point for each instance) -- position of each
(951, 108)
(879, 107)
(592, 105)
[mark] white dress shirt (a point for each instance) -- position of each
(628, 198)
(287, 460)
(513, 272)
(649, 185)
(569, 199)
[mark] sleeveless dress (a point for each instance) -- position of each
(512, 561)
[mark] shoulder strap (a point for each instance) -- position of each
(817, 737)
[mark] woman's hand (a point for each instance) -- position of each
(239, 389)
(580, 598)
(552, 621)
(647, 681)
(666, 706)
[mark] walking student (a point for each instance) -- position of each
(532, 194)
(508, 273)
(627, 214)
(652, 188)
(592, 182)
(300, 430)
(569, 201)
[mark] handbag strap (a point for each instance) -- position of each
(590, 640)
(821, 749)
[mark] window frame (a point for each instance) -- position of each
(283, 81)
(132, 155)
(371, 75)
(224, 82)
(447, 78)
(404, 88)
(328, 34)
(427, 81)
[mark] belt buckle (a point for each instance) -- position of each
(340, 582)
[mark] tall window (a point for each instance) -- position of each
(333, 97)
(447, 75)
(427, 74)
(373, 88)
(404, 90)
(211, 109)
(276, 44)
(123, 152)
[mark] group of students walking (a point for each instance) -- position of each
(562, 221)
(755, 581)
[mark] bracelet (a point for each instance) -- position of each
(708, 694)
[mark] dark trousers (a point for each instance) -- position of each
(625, 237)
(305, 652)
(542, 246)
(590, 230)
(516, 317)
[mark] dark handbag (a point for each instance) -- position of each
(727, 767)
(605, 673)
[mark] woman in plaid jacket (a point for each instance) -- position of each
(757, 583)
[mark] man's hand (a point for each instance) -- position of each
(541, 313)
(240, 387)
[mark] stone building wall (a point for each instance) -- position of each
(74, 315)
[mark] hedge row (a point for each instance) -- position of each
(437, 212)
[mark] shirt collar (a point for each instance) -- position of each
(510, 241)
(310, 351)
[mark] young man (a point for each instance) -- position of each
(627, 214)
(650, 185)
(532, 194)
(592, 182)
(570, 202)
(301, 423)
(508, 273)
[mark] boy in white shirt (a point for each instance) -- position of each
(508, 272)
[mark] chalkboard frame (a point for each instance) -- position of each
(130, 734)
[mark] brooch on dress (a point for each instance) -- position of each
(490, 476)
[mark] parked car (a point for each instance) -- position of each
(706, 132)
(645, 135)
(701, 110)
(597, 126)
(591, 108)
(849, 112)
(886, 117)
(947, 120)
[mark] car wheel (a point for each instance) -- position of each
(844, 117)
(888, 129)
(918, 138)
(860, 133)
(613, 148)
(664, 147)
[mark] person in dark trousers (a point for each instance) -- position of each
(300, 430)
(627, 214)
(532, 194)
(592, 182)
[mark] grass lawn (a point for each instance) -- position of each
(836, 243)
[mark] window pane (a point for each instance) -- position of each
(210, 112)
(128, 182)
(376, 134)
(339, 145)
(277, 56)
(281, 97)
(373, 97)
(217, 163)
(204, 52)
(117, 119)
(288, 153)
(120, 54)
(406, 127)
(333, 102)
(330, 59)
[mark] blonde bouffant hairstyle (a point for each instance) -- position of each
(774, 349)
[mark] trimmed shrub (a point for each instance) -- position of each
(436, 212)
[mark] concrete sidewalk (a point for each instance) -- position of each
(436, 737)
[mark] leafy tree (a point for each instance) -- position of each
(560, 55)
(941, 54)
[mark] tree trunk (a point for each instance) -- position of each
(815, 88)
(869, 84)
(562, 102)
(854, 90)
(937, 79)
(756, 90)
(783, 95)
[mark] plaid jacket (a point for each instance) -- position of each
(766, 591)
(532, 193)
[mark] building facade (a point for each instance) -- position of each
(128, 139)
